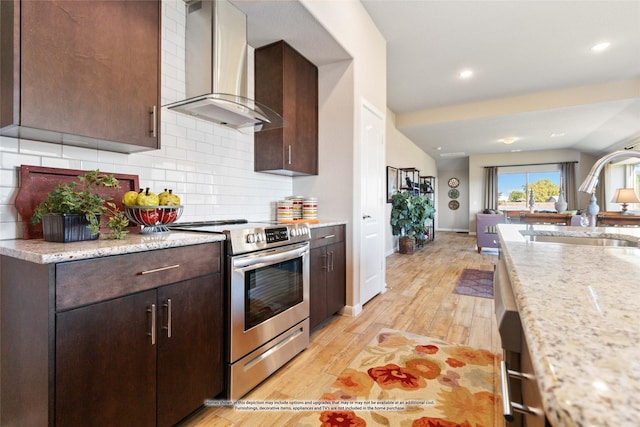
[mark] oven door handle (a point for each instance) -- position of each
(247, 262)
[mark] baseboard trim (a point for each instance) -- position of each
(351, 310)
(457, 230)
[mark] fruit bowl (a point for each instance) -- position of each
(153, 219)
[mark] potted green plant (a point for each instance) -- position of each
(72, 211)
(409, 215)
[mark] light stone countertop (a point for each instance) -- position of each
(580, 311)
(327, 223)
(42, 252)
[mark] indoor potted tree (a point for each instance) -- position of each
(72, 211)
(409, 215)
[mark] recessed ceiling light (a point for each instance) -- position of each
(557, 134)
(465, 74)
(516, 151)
(509, 140)
(600, 47)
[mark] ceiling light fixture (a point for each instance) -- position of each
(465, 74)
(557, 134)
(600, 47)
(509, 140)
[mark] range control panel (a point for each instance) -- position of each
(273, 235)
(257, 238)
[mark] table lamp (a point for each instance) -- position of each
(625, 196)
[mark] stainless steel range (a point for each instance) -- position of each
(267, 278)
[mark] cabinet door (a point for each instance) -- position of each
(301, 104)
(190, 364)
(91, 68)
(288, 83)
(336, 278)
(105, 364)
(317, 286)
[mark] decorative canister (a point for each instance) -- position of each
(297, 206)
(310, 208)
(284, 210)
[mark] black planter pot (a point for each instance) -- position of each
(66, 228)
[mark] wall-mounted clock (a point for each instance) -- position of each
(454, 193)
(453, 182)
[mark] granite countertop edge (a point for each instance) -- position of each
(327, 223)
(43, 252)
(580, 319)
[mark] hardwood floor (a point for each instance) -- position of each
(419, 299)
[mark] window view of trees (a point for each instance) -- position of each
(514, 190)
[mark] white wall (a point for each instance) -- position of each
(449, 219)
(210, 166)
(343, 88)
(477, 164)
(401, 152)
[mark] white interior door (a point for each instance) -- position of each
(372, 179)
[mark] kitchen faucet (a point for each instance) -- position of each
(591, 182)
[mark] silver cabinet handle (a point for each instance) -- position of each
(331, 253)
(167, 306)
(507, 405)
(330, 236)
(156, 270)
(154, 122)
(152, 333)
(325, 264)
(289, 154)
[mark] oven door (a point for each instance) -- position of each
(269, 294)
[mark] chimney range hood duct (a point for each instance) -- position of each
(216, 69)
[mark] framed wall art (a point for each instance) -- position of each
(392, 182)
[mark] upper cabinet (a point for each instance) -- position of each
(81, 73)
(288, 83)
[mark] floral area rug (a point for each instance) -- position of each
(406, 380)
(475, 283)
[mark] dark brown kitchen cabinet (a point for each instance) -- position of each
(288, 83)
(131, 339)
(105, 365)
(327, 267)
(81, 73)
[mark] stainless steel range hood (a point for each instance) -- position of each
(216, 69)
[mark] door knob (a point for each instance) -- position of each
(366, 216)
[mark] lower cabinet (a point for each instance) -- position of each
(121, 357)
(518, 371)
(327, 272)
(125, 340)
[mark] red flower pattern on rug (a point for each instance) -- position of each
(433, 384)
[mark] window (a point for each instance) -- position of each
(516, 182)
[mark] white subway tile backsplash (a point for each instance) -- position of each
(54, 162)
(12, 160)
(208, 165)
(9, 145)
(71, 152)
(40, 148)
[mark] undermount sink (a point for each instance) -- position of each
(590, 241)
